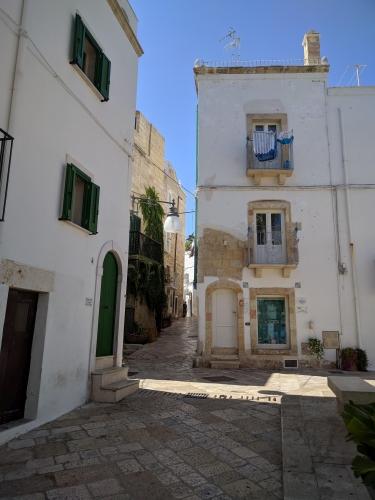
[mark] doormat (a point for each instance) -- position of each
(219, 378)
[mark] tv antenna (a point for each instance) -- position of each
(233, 43)
(358, 69)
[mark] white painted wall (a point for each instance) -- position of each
(54, 116)
(224, 192)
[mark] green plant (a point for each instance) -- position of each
(360, 424)
(362, 361)
(153, 214)
(316, 348)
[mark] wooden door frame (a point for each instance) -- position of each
(118, 338)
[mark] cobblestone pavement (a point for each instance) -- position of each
(181, 436)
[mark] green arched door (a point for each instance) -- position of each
(107, 308)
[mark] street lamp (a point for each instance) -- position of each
(172, 222)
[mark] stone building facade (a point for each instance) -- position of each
(284, 192)
(150, 168)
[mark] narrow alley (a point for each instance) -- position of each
(187, 433)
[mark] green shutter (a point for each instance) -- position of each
(79, 38)
(90, 219)
(68, 192)
(104, 76)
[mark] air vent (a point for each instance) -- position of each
(290, 363)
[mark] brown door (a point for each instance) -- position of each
(15, 353)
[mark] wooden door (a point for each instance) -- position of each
(269, 242)
(224, 310)
(15, 353)
(271, 316)
(107, 308)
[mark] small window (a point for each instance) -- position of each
(271, 316)
(81, 199)
(89, 57)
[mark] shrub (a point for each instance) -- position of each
(362, 361)
(360, 424)
(348, 359)
(316, 348)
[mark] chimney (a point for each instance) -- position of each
(311, 48)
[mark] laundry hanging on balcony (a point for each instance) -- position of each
(265, 147)
(285, 137)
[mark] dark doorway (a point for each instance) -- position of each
(15, 353)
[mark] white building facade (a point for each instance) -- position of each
(68, 90)
(286, 183)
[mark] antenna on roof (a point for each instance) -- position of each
(233, 43)
(358, 69)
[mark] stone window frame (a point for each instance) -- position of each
(280, 119)
(291, 252)
(289, 295)
(224, 284)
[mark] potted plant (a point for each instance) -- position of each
(362, 361)
(360, 424)
(316, 349)
(349, 359)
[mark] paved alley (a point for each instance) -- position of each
(186, 434)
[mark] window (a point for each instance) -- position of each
(271, 315)
(270, 245)
(89, 57)
(81, 199)
(267, 127)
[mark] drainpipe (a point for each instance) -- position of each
(348, 218)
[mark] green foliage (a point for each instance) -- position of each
(146, 280)
(316, 348)
(362, 360)
(189, 242)
(153, 214)
(360, 424)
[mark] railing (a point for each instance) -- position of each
(274, 247)
(140, 244)
(6, 147)
(235, 62)
(282, 160)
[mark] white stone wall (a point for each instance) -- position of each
(54, 117)
(331, 301)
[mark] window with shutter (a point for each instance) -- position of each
(81, 199)
(90, 58)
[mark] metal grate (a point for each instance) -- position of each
(219, 378)
(196, 395)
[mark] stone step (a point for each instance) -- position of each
(224, 357)
(108, 376)
(223, 364)
(113, 393)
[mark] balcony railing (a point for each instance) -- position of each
(6, 147)
(281, 159)
(140, 244)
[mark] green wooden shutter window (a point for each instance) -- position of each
(70, 174)
(92, 208)
(104, 76)
(79, 38)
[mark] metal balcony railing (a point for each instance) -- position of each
(281, 157)
(274, 247)
(140, 244)
(6, 147)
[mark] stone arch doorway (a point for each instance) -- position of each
(107, 307)
(224, 310)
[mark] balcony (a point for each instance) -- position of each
(274, 250)
(269, 157)
(141, 245)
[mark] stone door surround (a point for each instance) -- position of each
(220, 285)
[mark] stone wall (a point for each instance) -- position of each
(221, 255)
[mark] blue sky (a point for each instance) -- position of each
(174, 33)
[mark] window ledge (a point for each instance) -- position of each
(258, 173)
(266, 351)
(88, 82)
(285, 269)
(77, 226)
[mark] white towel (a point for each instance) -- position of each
(264, 142)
